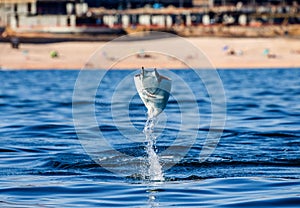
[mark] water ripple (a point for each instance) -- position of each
(256, 163)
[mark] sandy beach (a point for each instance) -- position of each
(226, 53)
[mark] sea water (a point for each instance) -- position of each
(255, 164)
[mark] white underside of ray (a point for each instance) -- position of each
(153, 89)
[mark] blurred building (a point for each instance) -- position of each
(34, 13)
(31, 13)
(131, 4)
(79, 16)
(251, 2)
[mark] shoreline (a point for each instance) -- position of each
(118, 69)
(222, 53)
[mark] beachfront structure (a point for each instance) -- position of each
(25, 15)
(75, 16)
(9, 9)
(252, 2)
(202, 12)
(132, 4)
(166, 18)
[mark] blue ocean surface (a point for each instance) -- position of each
(44, 163)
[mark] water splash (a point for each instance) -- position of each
(155, 172)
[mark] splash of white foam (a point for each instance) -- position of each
(155, 172)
